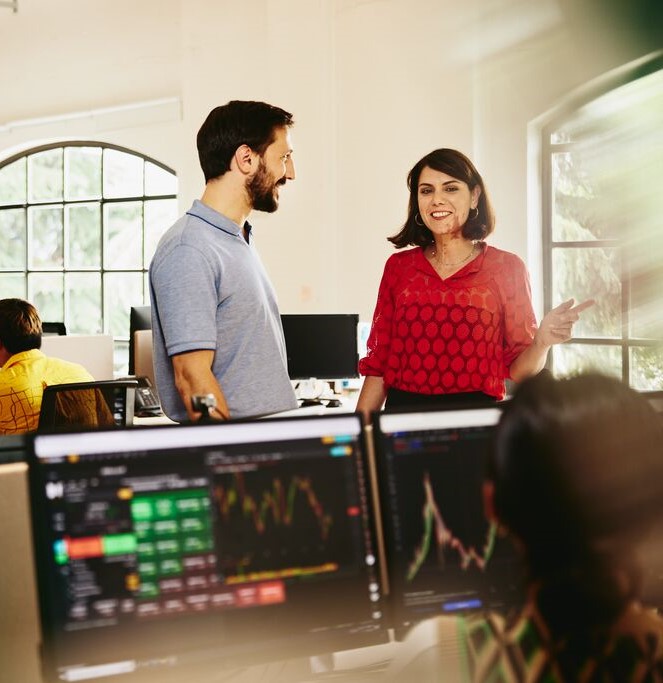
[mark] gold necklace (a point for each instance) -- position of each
(456, 263)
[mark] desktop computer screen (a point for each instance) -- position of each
(443, 557)
(168, 552)
(140, 318)
(321, 345)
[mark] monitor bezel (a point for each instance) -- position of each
(140, 318)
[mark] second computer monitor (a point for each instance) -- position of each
(443, 556)
(321, 345)
(140, 318)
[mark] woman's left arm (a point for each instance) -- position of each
(555, 328)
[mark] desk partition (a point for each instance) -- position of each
(93, 351)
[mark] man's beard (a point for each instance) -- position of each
(262, 190)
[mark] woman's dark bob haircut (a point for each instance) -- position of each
(577, 467)
(458, 166)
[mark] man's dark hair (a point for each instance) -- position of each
(20, 326)
(234, 124)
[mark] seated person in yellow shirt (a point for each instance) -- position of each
(25, 370)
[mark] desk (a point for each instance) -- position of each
(348, 405)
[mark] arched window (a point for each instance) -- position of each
(79, 223)
(602, 225)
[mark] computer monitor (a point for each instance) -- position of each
(443, 557)
(53, 328)
(88, 405)
(12, 448)
(165, 553)
(321, 345)
(140, 318)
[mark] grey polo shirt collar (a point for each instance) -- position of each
(218, 220)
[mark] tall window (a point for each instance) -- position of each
(78, 226)
(603, 227)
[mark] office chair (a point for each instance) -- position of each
(107, 403)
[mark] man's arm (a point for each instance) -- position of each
(193, 375)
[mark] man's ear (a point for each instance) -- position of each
(245, 159)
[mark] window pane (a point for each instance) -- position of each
(158, 181)
(83, 236)
(589, 274)
(571, 359)
(45, 291)
(583, 196)
(45, 237)
(121, 358)
(159, 216)
(45, 175)
(121, 292)
(12, 183)
(12, 286)
(647, 368)
(123, 233)
(83, 299)
(123, 174)
(82, 173)
(12, 239)
(646, 308)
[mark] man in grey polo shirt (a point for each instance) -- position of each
(215, 320)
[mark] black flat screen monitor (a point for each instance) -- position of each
(321, 345)
(165, 553)
(140, 318)
(442, 555)
(92, 405)
(53, 328)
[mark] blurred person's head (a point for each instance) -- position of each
(576, 477)
(478, 224)
(20, 328)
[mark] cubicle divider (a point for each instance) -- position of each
(93, 351)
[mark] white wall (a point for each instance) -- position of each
(373, 85)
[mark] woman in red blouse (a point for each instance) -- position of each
(454, 316)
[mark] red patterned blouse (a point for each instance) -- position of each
(444, 336)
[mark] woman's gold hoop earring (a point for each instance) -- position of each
(420, 222)
(476, 215)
